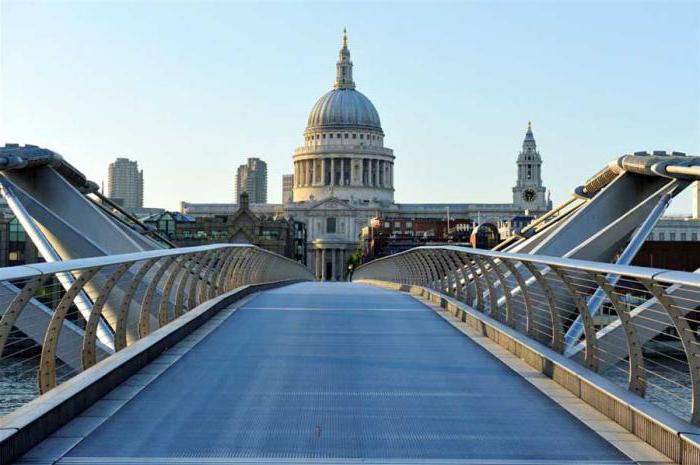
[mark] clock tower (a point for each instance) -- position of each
(529, 193)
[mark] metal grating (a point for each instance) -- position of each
(363, 374)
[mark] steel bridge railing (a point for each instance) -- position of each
(645, 336)
(44, 336)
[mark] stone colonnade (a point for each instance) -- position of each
(368, 172)
(328, 264)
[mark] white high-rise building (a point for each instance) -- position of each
(125, 184)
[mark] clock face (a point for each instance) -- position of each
(529, 195)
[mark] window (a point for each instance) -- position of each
(16, 231)
(346, 135)
(397, 224)
(409, 224)
(330, 136)
(387, 224)
(662, 236)
(16, 244)
(684, 237)
(693, 236)
(330, 225)
(362, 136)
(673, 236)
(338, 135)
(354, 136)
(324, 136)
(268, 233)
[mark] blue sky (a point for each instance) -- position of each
(190, 89)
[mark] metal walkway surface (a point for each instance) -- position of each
(340, 373)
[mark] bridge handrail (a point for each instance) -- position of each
(638, 322)
(42, 329)
(44, 268)
(658, 274)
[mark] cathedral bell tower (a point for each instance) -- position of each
(529, 193)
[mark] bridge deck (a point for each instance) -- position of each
(340, 371)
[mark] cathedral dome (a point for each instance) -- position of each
(344, 108)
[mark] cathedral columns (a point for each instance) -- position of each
(332, 171)
(317, 256)
(333, 271)
(369, 172)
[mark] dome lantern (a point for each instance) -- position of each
(343, 78)
(344, 107)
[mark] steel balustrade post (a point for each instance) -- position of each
(123, 318)
(222, 272)
(421, 271)
(688, 340)
(493, 300)
(178, 268)
(413, 274)
(444, 270)
(591, 357)
(17, 305)
(265, 267)
(241, 267)
(510, 316)
(89, 352)
(439, 283)
(47, 363)
(463, 292)
(196, 280)
(199, 289)
(458, 274)
(557, 342)
(212, 278)
(237, 256)
(145, 313)
(529, 309)
(241, 257)
(637, 373)
(401, 264)
(253, 269)
(189, 266)
(450, 272)
(436, 283)
(471, 263)
(434, 273)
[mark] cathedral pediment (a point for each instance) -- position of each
(332, 203)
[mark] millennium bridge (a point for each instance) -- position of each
(549, 349)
